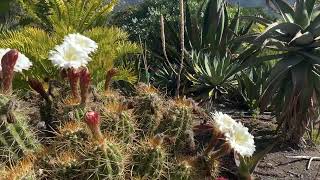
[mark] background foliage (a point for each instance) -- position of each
(47, 22)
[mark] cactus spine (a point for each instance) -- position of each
(16, 136)
(149, 109)
(119, 121)
(105, 161)
(150, 159)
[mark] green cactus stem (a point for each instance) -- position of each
(150, 159)
(17, 138)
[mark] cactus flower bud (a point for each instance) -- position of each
(64, 74)
(221, 178)
(74, 75)
(92, 119)
(110, 74)
(8, 62)
(38, 87)
(84, 84)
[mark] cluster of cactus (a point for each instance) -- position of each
(102, 135)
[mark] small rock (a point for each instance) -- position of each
(269, 165)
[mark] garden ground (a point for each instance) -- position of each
(276, 164)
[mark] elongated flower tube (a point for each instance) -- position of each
(74, 76)
(85, 79)
(110, 74)
(38, 87)
(8, 63)
(93, 121)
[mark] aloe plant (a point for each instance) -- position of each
(293, 84)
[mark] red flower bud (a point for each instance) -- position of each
(221, 178)
(74, 75)
(92, 119)
(8, 62)
(63, 74)
(38, 87)
(85, 79)
(110, 74)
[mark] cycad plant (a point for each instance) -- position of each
(293, 85)
(51, 20)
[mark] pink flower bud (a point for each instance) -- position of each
(8, 62)
(38, 87)
(74, 75)
(92, 119)
(85, 79)
(221, 178)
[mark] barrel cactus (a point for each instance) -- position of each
(104, 160)
(118, 120)
(150, 159)
(17, 138)
(149, 108)
(177, 124)
(25, 170)
(195, 167)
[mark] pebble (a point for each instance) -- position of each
(269, 165)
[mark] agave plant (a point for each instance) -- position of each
(293, 86)
(252, 82)
(209, 31)
(209, 76)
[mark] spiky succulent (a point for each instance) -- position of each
(17, 138)
(293, 84)
(120, 121)
(150, 159)
(149, 108)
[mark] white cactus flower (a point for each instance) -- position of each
(240, 140)
(68, 55)
(85, 43)
(223, 122)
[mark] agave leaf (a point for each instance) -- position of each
(223, 24)
(314, 25)
(313, 58)
(315, 13)
(315, 44)
(212, 17)
(248, 38)
(301, 14)
(259, 20)
(309, 5)
(302, 39)
(287, 28)
(285, 9)
(277, 45)
(234, 25)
